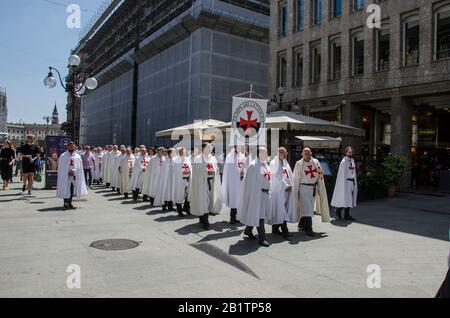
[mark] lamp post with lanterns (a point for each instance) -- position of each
(76, 83)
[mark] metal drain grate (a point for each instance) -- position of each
(115, 244)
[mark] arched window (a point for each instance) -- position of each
(442, 32)
(335, 58)
(411, 40)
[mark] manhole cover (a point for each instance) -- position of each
(115, 245)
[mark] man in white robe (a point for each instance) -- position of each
(155, 179)
(346, 189)
(107, 173)
(204, 187)
(254, 205)
(98, 154)
(181, 175)
(147, 174)
(164, 194)
(126, 169)
(115, 177)
(137, 176)
(233, 173)
(310, 192)
(282, 199)
(71, 180)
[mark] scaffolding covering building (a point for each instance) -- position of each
(162, 64)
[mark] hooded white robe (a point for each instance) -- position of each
(70, 161)
(346, 191)
(126, 169)
(305, 203)
(166, 178)
(181, 175)
(282, 203)
(202, 199)
(254, 203)
(115, 177)
(137, 176)
(231, 181)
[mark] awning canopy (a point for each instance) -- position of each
(320, 142)
(300, 123)
(196, 128)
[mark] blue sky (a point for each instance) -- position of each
(34, 36)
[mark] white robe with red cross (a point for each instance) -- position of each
(137, 176)
(181, 175)
(234, 168)
(346, 191)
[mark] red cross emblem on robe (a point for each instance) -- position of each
(240, 164)
(267, 174)
(186, 169)
(71, 162)
(311, 172)
(210, 167)
(351, 168)
(144, 162)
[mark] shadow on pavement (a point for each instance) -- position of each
(222, 235)
(54, 209)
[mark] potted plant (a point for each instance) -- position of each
(394, 171)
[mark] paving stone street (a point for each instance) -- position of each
(407, 237)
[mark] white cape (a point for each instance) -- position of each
(282, 203)
(181, 168)
(115, 178)
(126, 165)
(63, 185)
(137, 176)
(254, 204)
(231, 182)
(342, 196)
(201, 203)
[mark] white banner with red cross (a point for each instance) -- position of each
(248, 121)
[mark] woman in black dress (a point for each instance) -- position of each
(7, 159)
(28, 153)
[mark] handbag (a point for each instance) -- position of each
(38, 177)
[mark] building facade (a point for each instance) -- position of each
(162, 64)
(393, 81)
(17, 132)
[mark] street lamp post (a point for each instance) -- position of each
(77, 82)
(281, 91)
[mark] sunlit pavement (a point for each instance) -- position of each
(406, 238)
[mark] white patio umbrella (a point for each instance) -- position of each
(197, 128)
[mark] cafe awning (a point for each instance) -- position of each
(305, 124)
(197, 128)
(320, 142)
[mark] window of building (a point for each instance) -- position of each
(442, 33)
(382, 47)
(411, 40)
(316, 62)
(336, 8)
(358, 5)
(317, 11)
(357, 64)
(298, 66)
(335, 58)
(300, 14)
(282, 70)
(283, 19)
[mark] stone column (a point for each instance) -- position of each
(352, 116)
(401, 131)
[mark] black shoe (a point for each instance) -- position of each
(264, 243)
(250, 235)
(276, 230)
(126, 195)
(180, 214)
(72, 207)
(23, 188)
(66, 206)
